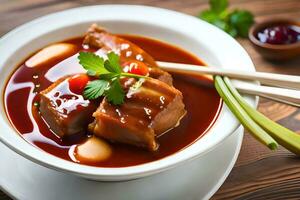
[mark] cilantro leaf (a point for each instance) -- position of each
(95, 89)
(92, 63)
(218, 6)
(220, 24)
(242, 21)
(115, 94)
(231, 31)
(109, 73)
(235, 23)
(209, 16)
(112, 64)
(108, 76)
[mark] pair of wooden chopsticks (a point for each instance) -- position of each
(287, 88)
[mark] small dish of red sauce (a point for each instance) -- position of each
(279, 34)
(276, 39)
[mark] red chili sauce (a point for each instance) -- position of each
(202, 103)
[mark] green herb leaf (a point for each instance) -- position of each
(108, 76)
(109, 73)
(112, 64)
(132, 75)
(231, 31)
(115, 94)
(95, 89)
(218, 6)
(242, 21)
(92, 63)
(235, 23)
(209, 16)
(221, 24)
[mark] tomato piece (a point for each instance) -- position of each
(77, 83)
(136, 67)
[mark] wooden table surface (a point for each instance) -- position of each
(258, 173)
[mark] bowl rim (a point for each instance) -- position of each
(18, 144)
(269, 22)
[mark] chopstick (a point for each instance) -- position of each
(283, 95)
(280, 80)
(287, 96)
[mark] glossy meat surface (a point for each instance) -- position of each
(148, 111)
(65, 112)
(98, 37)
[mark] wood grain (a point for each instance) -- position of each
(259, 173)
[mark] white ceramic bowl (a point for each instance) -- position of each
(204, 40)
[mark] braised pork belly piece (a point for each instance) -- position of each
(148, 111)
(98, 37)
(66, 112)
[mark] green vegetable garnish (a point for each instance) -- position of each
(236, 22)
(109, 73)
(95, 89)
(285, 137)
(92, 63)
(260, 134)
(115, 94)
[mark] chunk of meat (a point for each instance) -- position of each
(66, 112)
(147, 112)
(161, 75)
(98, 37)
(69, 113)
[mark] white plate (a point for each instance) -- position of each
(23, 179)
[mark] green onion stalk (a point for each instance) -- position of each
(285, 137)
(259, 133)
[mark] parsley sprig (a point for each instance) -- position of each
(236, 22)
(109, 73)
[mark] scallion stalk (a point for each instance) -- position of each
(259, 133)
(285, 137)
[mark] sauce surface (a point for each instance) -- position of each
(200, 97)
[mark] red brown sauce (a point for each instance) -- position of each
(201, 100)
